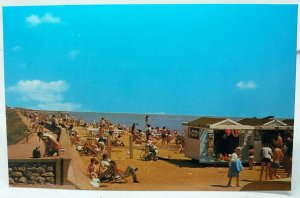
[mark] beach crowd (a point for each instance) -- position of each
(93, 139)
(94, 143)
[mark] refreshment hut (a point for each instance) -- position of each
(267, 130)
(209, 138)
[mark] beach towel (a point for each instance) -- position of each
(95, 182)
(235, 168)
(238, 165)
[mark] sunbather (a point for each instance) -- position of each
(120, 173)
(52, 147)
(92, 168)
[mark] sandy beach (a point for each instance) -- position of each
(175, 174)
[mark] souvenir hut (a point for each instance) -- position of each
(210, 140)
(267, 130)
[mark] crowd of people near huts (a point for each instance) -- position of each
(273, 156)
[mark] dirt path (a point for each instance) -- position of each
(23, 149)
(76, 172)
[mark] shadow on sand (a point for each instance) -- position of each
(189, 163)
(219, 186)
(249, 180)
(279, 185)
(184, 163)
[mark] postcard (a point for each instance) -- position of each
(150, 97)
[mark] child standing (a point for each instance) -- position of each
(235, 167)
(251, 157)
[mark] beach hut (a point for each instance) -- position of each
(266, 131)
(208, 138)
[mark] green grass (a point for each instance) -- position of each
(16, 129)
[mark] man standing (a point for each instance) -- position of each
(148, 132)
(279, 140)
(275, 165)
(53, 124)
(147, 121)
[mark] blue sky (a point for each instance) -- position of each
(219, 60)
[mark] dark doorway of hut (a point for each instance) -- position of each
(224, 144)
(270, 137)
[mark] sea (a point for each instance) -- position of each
(172, 122)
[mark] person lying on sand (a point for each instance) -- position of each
(120, 173)
(107, 164)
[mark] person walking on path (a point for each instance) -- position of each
(53, 124)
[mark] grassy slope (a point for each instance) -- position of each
(16, 129)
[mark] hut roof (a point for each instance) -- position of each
(254, 121)
(289, 122)
(204, 121)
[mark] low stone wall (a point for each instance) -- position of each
(37, 171)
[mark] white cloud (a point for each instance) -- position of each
(46, 95)
(246, 85)
(48, 18)
(16, 48)
(35, 20)
(37, 90)
(73, 54)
